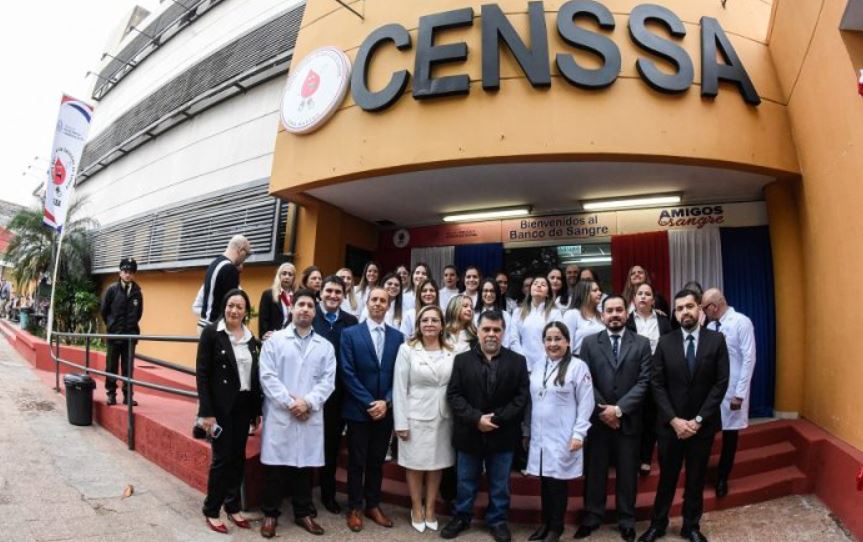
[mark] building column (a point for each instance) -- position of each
(787, 248)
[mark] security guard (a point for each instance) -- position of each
(122, 308)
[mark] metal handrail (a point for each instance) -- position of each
(128, 379)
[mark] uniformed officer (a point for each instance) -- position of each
(122, 307)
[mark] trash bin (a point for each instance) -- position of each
(79, 398)
(23, 318)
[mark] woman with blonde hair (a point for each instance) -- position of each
(421, 414)
(528, 322)
(460, 329)
(276, 301)
(350, 303)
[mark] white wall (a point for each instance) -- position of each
(219, 26)
(227, 145)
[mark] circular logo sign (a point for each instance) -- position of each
(401, 238)
(316, 87)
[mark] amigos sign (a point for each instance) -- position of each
(534, 61)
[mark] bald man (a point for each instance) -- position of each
(740, 338)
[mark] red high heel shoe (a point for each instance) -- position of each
(242, 523)
(223, 529)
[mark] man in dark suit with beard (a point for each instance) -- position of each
(690, 377)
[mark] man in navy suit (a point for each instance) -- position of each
(367, 360)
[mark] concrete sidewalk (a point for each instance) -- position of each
(61, 482)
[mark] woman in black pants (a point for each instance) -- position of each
(229, 400)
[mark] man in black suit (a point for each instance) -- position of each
(690, 376)
(487, 392)
(619, 363)
(328, 323)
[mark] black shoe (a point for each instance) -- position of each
(721, 487)
(552, 536)
(126, 401)
(693, 535)
(112, 400)
(313, 512)
(584, 531)
(332, 506)
(500, 532)
(454, 528)
(627, 533)
(539, 534)
(651, 534)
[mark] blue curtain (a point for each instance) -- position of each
(747, 268)
(488, 257)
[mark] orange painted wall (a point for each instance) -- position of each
(323, 233)
(818, 66)
(629, 120)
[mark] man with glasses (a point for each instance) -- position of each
(222, 275)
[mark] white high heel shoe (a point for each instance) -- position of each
(431, 525)
(420, 526)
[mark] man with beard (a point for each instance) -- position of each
(487, 392)
(619, 363)
(690, 377)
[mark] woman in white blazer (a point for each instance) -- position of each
(530, 319)
(421, 414)
(561, 394)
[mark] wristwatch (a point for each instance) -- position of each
(699, 420)
(618, 412)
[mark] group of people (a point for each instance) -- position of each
(466, 380)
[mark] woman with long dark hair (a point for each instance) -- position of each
(417, 277)
(584, 317)
(562, 402)
(368, 280)
(229, 401)
(427, 293)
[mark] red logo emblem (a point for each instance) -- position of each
(59, 172)
(311, 84)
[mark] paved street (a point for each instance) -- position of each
(61, 482)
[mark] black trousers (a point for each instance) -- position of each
(117, 351)
(334, 426)
(279, 479)
(229, 459)
(726, 456)
(605, 447)
(673, 454)
(648, 432)
(367, 450)
(553, 494)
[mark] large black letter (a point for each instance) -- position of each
(497, 29)
(589, 41)
(673, 53)
(429, 54)
(365, 98)
(713, 38)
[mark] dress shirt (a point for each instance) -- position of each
(383, 334)
(242, 354)
(694, 334)
(304, 340)
(647, 327)
(326, 314)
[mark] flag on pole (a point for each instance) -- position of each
(73, 123)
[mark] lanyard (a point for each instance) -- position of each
(545, 377)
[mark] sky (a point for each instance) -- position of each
(47, 47)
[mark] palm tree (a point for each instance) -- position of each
(30, 251)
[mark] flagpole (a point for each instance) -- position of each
(54, 285)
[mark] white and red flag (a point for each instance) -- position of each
(70, 135)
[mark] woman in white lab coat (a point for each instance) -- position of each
(350, 303)
(583, 318)
(460, 331)
(369, 279)
(417, 277)
(421, 415)
(561, 393)
(428, 294)
(490, 298)
(471, 283)
(536, 311)
(559, 291)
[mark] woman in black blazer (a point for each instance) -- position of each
(647, 322)
(274, 310)
(229, 401)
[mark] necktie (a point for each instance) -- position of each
(283, 297)
(690, 354)
(331, 317)
(615, 347)
(379, 343)
(718, 325)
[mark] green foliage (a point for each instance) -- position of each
(76, 306)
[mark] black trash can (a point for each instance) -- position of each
(79, 398)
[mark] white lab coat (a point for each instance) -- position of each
(408, 300)
(740, 338)
(510, 339)
(579, 328)
(559, 414)
(286, 373)
(529, 332)
(444, 295)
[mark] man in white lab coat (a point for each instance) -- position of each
(298, 371)
(740, 338)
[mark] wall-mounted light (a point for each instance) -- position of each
(649, 200)
(592, 259)
(487, 214)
